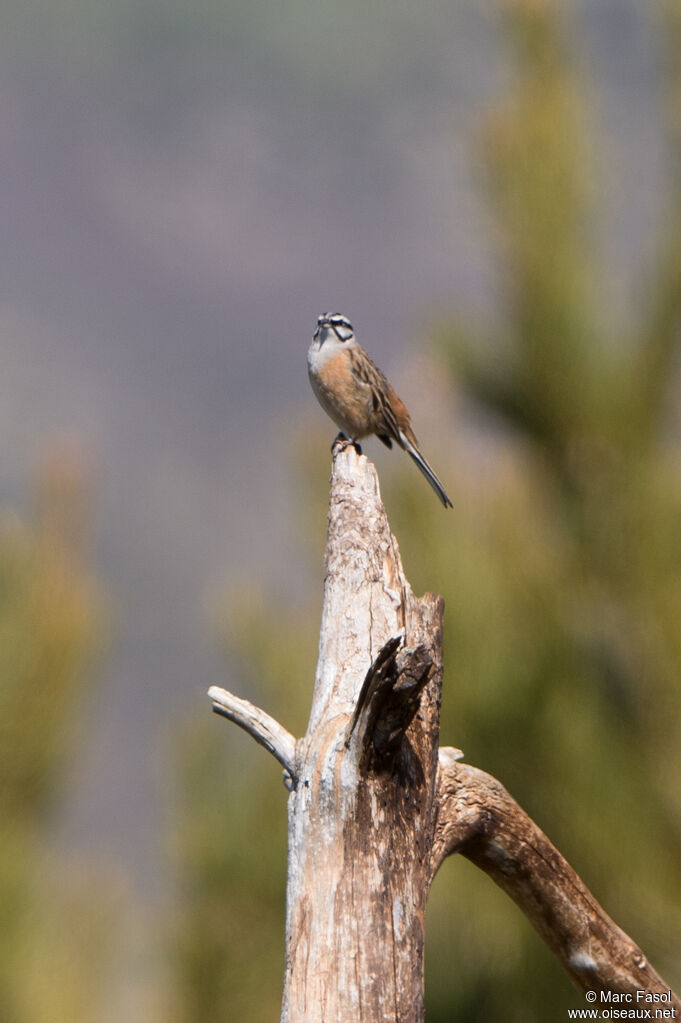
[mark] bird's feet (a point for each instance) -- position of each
(342, 442)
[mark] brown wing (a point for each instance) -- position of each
(389, 414)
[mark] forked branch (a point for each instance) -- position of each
(373, 810)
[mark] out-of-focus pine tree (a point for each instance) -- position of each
(50, 626)
(561, 569)
(561, 562)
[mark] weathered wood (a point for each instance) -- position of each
(372, 813)
(361, 817)
(481, 821)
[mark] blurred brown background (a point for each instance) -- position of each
(491, 193)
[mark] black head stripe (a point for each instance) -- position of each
(334, 320)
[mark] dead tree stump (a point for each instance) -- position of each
(361, 820)
(374, 805)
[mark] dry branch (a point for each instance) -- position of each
(263, 728)
(479, 819)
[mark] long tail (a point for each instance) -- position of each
(417, 457)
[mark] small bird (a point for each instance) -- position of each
(354, 393)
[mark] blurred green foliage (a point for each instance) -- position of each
(49, 629)
(561, 569)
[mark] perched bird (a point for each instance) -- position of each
(354, 393)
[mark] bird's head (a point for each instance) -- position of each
(333, 327)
